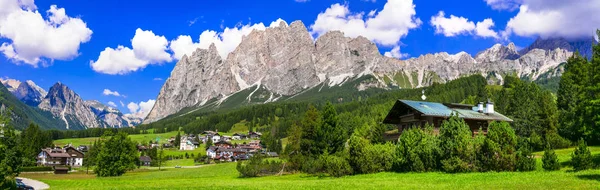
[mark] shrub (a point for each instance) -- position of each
(335, 166)
(536, 142)
(456, 143)
(367, 158)
(312, 166)
(498, 150)
(36, 169)
(417, 151)
(525, 160)
(556, 141)
(257, 166)
(550, 161)
(581, 158)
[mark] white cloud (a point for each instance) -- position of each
(157, 79)
(395, 53)
(385, 27)
(31, 37)
(301, 1)
(454, 26)
(112, 104)
(133, 107)
(225, 41)
(555, 18)
(140, 110)
(122, 104)
(503, 4)
(148, 48)
(108, 92)
(482, 29)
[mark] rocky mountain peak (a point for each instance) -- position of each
(11, 84)
(64, 103)
(498, 52)
(28, 92)
(285, 61)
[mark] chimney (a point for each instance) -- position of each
(489, 108)
(480, 107)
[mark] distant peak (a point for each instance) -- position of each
(297, 24)
(512, 46)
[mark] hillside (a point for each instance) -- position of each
(23, 115)
(369, 105)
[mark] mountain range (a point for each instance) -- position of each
(284, 62)
(60, 107)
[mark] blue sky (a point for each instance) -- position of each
(111, 23)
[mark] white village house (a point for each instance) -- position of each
(188, 143)
(68, 156)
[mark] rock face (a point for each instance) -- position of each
(111, 116)
(62, 102)
(286, 61)
(583, 46)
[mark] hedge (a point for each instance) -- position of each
(37, 169)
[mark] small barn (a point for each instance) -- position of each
(145, 160)
(409, 113)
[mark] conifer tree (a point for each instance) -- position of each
(550, 160)
(581, 158)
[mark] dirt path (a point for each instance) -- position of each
(34, 183)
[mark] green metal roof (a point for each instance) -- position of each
(440, 110)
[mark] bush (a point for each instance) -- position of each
(312, 166)
(525, 160)
(499, 148)
(257, 166)
(536, 142)
(550, 161)
(367, 158)
(581, 158)
(335, 166)
(37, 169)
(456, 143)
(556, 141)
(417, 151)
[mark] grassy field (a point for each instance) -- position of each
(139, 138)
(225, 176)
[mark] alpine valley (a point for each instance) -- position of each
(284, 63)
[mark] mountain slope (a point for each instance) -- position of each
(22, 115)
(27, 91)
(284, 61)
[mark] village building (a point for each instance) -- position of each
(254, 135)
(145, 160)
(238, 136)
(188, 143)
(408, 113)
(223, 144)
(68, 156)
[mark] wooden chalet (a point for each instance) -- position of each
(409, 113)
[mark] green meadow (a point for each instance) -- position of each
(225, 176)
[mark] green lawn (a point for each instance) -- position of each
(225, 176)
(138, 138)
(180, 162)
